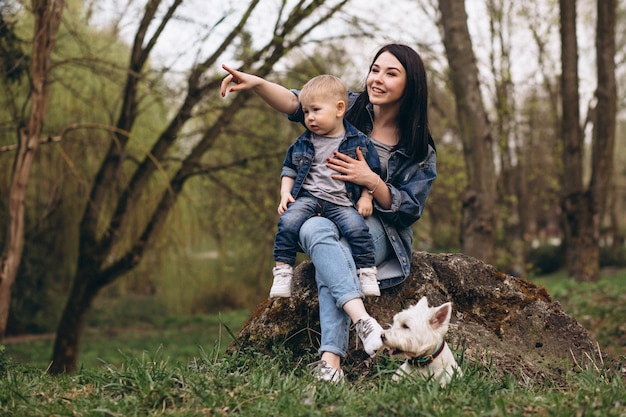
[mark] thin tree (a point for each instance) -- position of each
(583, 208)
(603, 140)
(479, 201)
(542, 154)
(576, 214)
(510, 185)
(47, 14)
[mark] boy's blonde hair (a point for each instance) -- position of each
(324, 86)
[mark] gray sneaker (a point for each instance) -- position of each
(281, 287)
(323, 372)
(369, 282)
(369, 331)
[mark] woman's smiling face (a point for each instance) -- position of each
(386, 80)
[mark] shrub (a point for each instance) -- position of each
(610, 256)
(546, 259)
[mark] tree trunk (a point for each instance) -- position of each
(575, 214)
(14, 240)
(615, 213)
(581, 246)
(478, 217)
(71, 325)
(603, 145)
(583, 210)
(47, 15)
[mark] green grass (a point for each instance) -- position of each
(177, 366)
(250, 384)
(176, 338)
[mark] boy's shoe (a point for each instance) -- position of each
(369, 331)
(323, 372)
(369, 282)
(281, 287)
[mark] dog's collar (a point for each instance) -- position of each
(421, 361)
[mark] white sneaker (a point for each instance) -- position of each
(281, 287)
(369, 331)
(369, 282)
(323, 372)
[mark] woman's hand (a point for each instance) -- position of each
(241, 81)
(358, 172)
(353, 170)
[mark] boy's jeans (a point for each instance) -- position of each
(350, 223)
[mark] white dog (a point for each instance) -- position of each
(417, 335)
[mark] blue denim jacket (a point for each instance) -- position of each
(409, 184)
(301, 153)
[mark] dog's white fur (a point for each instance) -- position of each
(416, 333)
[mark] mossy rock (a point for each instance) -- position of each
(506, 324)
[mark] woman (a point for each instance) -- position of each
(392, 110)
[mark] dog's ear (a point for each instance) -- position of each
(423, 302)
(441, 316)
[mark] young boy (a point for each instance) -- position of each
(307, 188)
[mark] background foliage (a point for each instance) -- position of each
(215, 254)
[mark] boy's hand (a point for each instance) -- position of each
(285, 199)
(240, 80)
(365, 205)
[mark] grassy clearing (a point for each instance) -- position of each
(176, 366)
(176, 338)
(249, 384)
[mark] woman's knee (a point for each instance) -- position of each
(317, 229)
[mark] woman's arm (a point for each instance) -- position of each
(410, 191)
(273, 94)
(401, 204)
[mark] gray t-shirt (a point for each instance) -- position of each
(318, 182)
(384, 151)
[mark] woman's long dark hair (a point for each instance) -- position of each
(413, 115)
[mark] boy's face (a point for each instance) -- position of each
(324, 116)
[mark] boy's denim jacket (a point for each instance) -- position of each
(409, 183)
(301, 153)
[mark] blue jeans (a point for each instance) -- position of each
(350, 223)
(335, 274)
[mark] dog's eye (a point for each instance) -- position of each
(405, 326)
